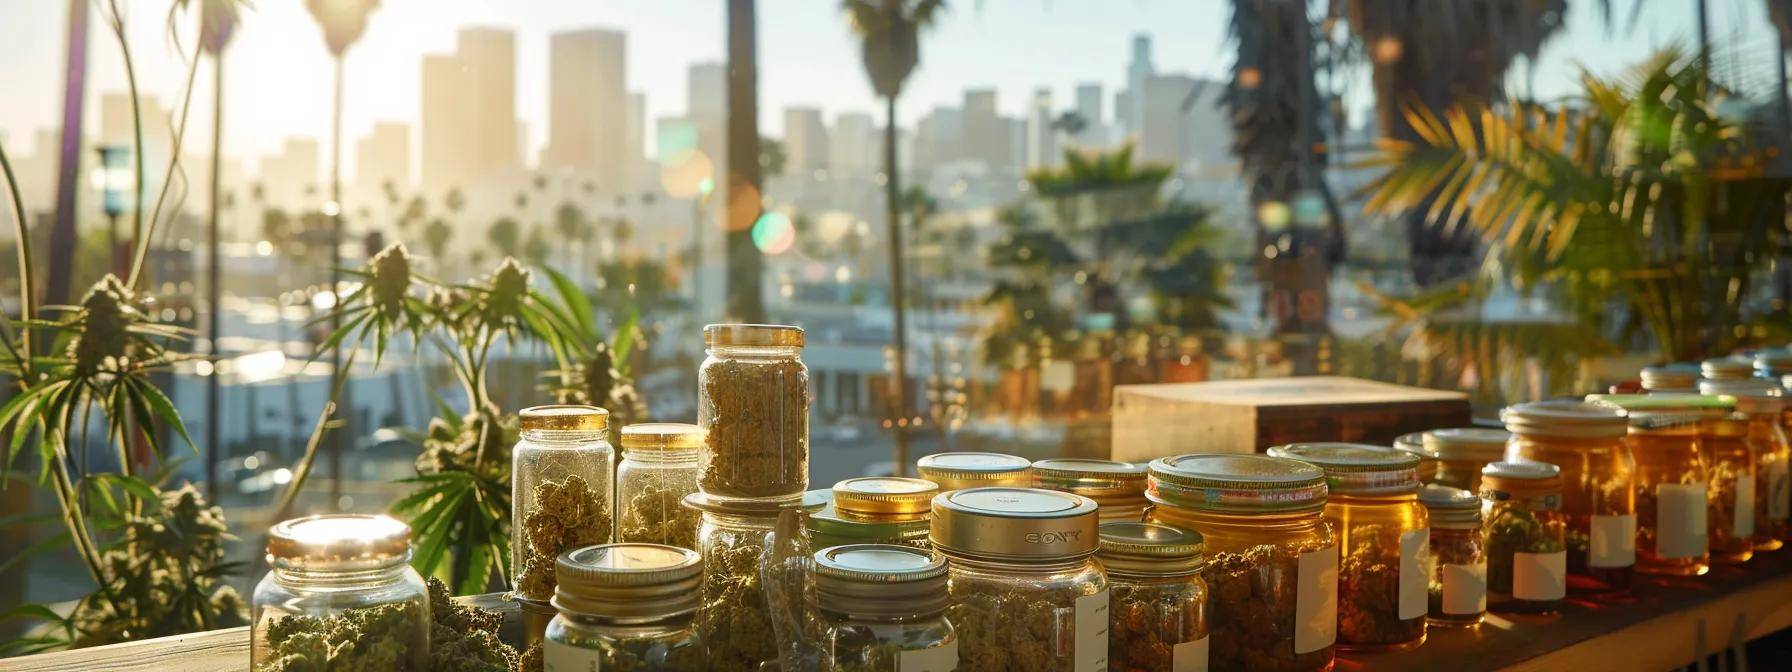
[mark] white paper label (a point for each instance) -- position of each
(1465, 588)
(1540, 576)
(557, 657)
(1189, 656)
(1680, 520)
(1742, 520)
(1612, 541)
(1058, 375)
(1316, 601)
(936, 659)
(1415, 563)
(1092, 632)
(1779, 492)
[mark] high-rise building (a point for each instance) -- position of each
(805, 140)
(939, 138)
(469, 131)
(1094, 132)
(383, 156)
(855, 144)
(982, 136)
(588, 105)
(634, 139)
(291, 179)
(1042, 131)
(1138, 72)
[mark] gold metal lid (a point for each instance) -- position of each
(628, 582)
(564, 418)
(1236, 483)
(1466, 444)
(962, 466)
(1356, 468)
(1727, 368)
(1097, 479)
(880, 581)
(1150, 548)
(753, 335)
(1752, 395)
(1451, 507)
(662, 436)
(1566, 419)
(885, 496)
(1015, 524)
(339, 543)
(832, 522)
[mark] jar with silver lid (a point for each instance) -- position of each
(882, 609)
(1117, 487)
(1457, 590)
(957, 471)
(625, 607)
(340, 574)
(1460, 452)
(1414, 444)
(1157, 601)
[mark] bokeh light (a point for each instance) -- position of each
(773, 233)
(685, 179)
(677, 141)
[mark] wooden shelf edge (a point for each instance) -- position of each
(1681, 637)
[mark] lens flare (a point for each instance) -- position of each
(773, 234)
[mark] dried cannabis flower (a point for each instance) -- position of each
(464, 638)
(758, 429)
(1008, 628)
(655, 516)
(1369, 592)
(375, 638)
(734, 620)
(1252, 604)
(1512, 531)
(568, 514)
(1147, 621)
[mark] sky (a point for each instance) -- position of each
(278, 71)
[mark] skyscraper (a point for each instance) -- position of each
(469, 112)
(983, 138)
(1042, 131)
(805, 140)
(634, 139)
(1088, 106)
(384, 155)
(1138, 72)
(588, 106)
(853, 144)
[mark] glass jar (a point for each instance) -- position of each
(625, 607)
(957, 471)
(560, 492)
(883, 609)
(1726, 368)
(1761, 402)
(1671, 378)
(1671, 480)
(1157, 600)
(736, 621)
(332, 578)
(1385, 538)
(658, 469)
(875, 510)
(1415, 443)
(1026, 591)
(1586, 442)
(1730, 461)
(1461, 452)
(753, 404)
(1527, 557)
(1272, 562)
(1117, 487)
(1458, 573)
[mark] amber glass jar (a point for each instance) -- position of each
(1461, 452)
(1730, 461)
(957, 471)
(1384, 538)
(1527, 559)
(1586, 441)
(1272, 559)
(1458, 573)
(1415, 443)
(1158, 602)
(875, 510)
(1671, 481)
(1761, 401)
(1118, 487)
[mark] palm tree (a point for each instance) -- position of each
(435, 239)
(506, 235)
(889, 31)
(536, 248)
(744, 261)
(569, 220)
(218, 20)
(69, 180)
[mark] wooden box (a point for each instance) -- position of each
(1243, 416)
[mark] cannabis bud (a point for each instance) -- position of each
(107, 311)
(390, 281)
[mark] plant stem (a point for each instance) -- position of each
(180, 135)
(27, 269)
(303, 469)
(130, 74)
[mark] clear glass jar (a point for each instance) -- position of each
(1761, 403)
(658, 469)
(1730, 461)
(625, 607)
(1385, 538)
(1272, 559)
(1415, 443)
(957, 471)
(883, 609)
(1117, 487)
(1461, 452)
(1586, 441)
(875, 510)
(1527, 556)
(1672, 481)
(753, 404)
(1027, 593)
(1157, 601)
(1457, 585)
(559, 491)
(335, 570)
(736, 622)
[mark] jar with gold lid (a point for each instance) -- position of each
(1027, 593)
(1462, 451)
(883, 609)
(560, 493)
(1762, 402)
(875, 510)
(1457, 584)
(1157, 600)
(340, 573)
(1118, 487)
(1527, 558)
(753, 405)
(625, 606)
(1671, 378)
(658, 469)
(1730, 461)
(1272, 559)
(1586, 442)
(1385, 538)
(1671, 480)
(960, 470)
(1414, 443)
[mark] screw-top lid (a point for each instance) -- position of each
(1566, 419)
(1110, 483)
(339, 543)
(753, 335)
(1727, 368)
(564, 418)
(1752, 395)
(1680, 377)
(1522, 479)
(1467, 444)
(880, 581)
(1357, 469)
(662, 436)
(1413, 442)
(1451, 507)
(812, 500)
(628, 582)
(968, 469)
(885, 496)
(1150, 548)
(1015, 524)
(1236, 483)
(1774, 362)
(1710, 404)
(832, 522)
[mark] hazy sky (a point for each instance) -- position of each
(278, 71)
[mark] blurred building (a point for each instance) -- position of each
(470, 134)
(588, 106)
(984, 137)
(855, 144)
(292, 179)
(1042, 131)
(384, 156)
(1089, 108)
(1129, 111)
(805, 140)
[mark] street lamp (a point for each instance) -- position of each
(113, 178)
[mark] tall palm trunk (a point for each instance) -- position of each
(348, 412)
(214, 289)
(68, 173)
(744, 302)
(893, 220)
